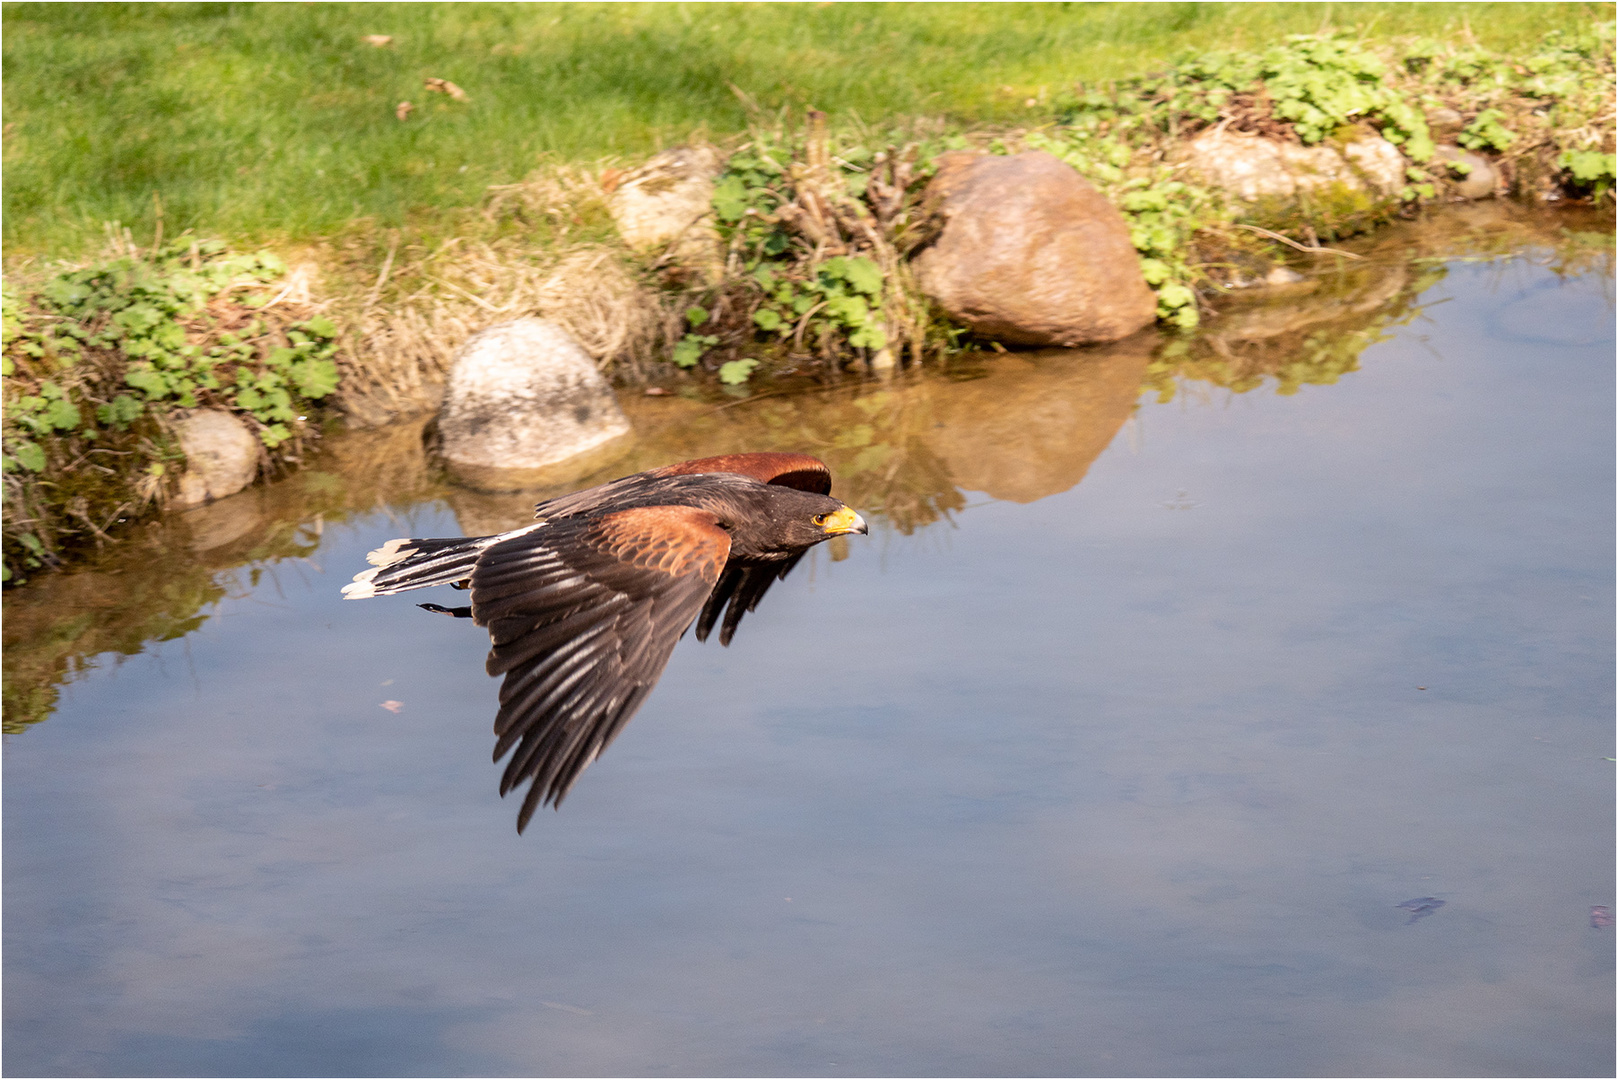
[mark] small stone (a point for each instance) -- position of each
(1480, 179)
(1031, 253)
(525, 404)
(221, 456)
(668, 202)
(1282, 275)
(1443, 120)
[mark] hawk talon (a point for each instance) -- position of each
(452, 612)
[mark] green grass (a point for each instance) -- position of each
(265, 122)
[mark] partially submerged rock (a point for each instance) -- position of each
(668, 204)
(1031, 253)
(1254, 167)
(525, 406)
(1475, 179)
(221, 456)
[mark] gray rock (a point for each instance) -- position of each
(1443, 120)
(1480, 180)
(1253, 167)
(1032, 254)
(524, 406)
(668, 203)
(221, 456)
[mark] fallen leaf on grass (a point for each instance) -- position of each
(379, 40)
(444, 86)
(403, 110)
(392, 706)
(610, 179)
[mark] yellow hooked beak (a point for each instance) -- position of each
(843, 521)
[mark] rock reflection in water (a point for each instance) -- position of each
(1015, 427)
(1313, 332)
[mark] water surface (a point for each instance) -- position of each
(1112, 751)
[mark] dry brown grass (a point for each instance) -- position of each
(402, 339)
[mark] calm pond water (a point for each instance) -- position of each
(1112, 751)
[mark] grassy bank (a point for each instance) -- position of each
(278, 124)
(270, 123)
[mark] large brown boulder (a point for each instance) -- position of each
(1031, 254)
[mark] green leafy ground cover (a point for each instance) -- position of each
(96, 361)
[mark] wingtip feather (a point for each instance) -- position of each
(390, 553)
(363, 586)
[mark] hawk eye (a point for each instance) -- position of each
(820, 519)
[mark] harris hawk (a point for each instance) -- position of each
(584, 606)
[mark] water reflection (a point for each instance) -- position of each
(1129, 780)
(1015, 427)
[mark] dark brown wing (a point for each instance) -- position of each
(583, 614)
(772, 467)
(742, 585)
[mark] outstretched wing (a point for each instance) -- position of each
(583, 615)
(742, 585)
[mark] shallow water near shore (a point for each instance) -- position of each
(1112, 751)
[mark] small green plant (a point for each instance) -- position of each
(689, 349)
(779, 218)
(1591, 169)
(736, 372)
(1317, 84)
(1486, 132)
(844, 292)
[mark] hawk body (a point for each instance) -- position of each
(584, 606)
